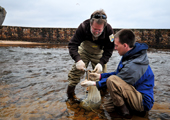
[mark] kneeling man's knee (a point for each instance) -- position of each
(111, 79)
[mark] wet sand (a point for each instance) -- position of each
(33, 82)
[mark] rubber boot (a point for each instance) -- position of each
(124, 111)
(71, 94)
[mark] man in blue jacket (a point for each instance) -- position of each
(133, 81)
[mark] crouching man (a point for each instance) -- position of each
(131, 85)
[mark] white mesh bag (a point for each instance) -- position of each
(93, 99)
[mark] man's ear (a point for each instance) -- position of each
(125, 45)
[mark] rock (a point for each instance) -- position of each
(164, 116)
(2, 15)
(17, 115)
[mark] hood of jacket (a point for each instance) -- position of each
(138, 51)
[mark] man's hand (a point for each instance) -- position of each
(80, 65)
(94, 76)
(98, 68)
(87, 83)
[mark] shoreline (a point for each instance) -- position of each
(18, 42)
(8, 43)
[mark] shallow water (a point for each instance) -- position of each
(33, 84)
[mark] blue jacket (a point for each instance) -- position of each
(134, 69)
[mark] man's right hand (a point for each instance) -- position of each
(80, 65)
(94, 76)
(87, 83)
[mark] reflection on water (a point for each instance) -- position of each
(33, 84)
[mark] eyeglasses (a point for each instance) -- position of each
(97, 16)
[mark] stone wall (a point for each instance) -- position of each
(155, 38)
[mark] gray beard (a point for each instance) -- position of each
(95, 36)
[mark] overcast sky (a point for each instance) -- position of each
(152, 14)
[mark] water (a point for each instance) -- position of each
(33, 84)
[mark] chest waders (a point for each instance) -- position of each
(89, 53)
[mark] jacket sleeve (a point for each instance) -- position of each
(106, 75)
(75, 41)
(102, 83)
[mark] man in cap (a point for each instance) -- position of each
(92, 42)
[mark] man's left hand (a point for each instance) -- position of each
(87, 83)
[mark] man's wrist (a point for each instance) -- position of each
(94, 84)
(77, 58)
(101, 63)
